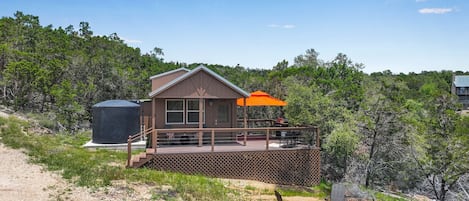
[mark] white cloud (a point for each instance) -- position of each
(126, 40)
(273, 25)
(282, 26)
(435, 10)
(288, 26)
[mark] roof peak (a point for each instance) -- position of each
(169, 72)
(194, 71)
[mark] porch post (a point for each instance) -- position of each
(201, 121)
(153, 122)
(245, 120)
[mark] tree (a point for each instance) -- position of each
(341, 144)
(444, 155)
(382, 127)
(21, 77)
(69, 111)
(157, 52)
(85, 30)
(307, 105)
(309, 59)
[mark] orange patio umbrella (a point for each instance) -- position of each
(260, 98)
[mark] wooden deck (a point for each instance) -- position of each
(288, 156)
(201, 143)
(254, 145)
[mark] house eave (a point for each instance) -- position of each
(168, 73)
(192, 72)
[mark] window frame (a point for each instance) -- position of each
(195, 111)
(174, 111)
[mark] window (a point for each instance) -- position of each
(175, 111)
(193, 111)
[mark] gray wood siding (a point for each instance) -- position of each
(200, 85)
(160, 81)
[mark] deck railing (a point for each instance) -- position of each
(289, 136)
(132, 138)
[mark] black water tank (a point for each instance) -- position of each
(114, 121)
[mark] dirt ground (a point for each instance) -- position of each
(20, 180)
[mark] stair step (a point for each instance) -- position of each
(150, 151)
(142, 155)
(139, 159)
(135, 159)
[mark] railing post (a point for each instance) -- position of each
(201, 135)
(317, 138)
(267, 136)
(154, 141)
(142, 133)
(129, 151)
(213, 139)
(245, 133)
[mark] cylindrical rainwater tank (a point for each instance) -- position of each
(114, 121)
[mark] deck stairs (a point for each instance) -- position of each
(140, 159)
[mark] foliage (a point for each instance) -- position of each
(341, 144)
(382, 126)
(446, 149)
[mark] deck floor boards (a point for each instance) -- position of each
(255, 145)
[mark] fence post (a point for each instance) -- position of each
(213, 139)
(129, 150)
(267, 136)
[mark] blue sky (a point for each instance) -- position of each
(399, 35)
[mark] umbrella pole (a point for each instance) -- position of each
(245, 122)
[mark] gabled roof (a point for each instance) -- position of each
(193, 72)
(169, 72)
(461, 80)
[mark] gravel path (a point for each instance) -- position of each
(20, 180)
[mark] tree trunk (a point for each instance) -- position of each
(370, 157)
(443, 190)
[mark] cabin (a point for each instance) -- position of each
(199, 98)
(460, 87)
(190, 124)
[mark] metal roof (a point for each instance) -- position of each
(116, 103)
(461, 80)
(169, 72)
(192, 72)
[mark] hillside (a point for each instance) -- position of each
(399, 132)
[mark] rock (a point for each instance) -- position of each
(349, 192)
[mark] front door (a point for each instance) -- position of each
(222, 117)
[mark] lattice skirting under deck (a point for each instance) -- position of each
(288, 167)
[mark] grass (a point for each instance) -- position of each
(63, 153)
(383, 197)
(320, 191)
(323, 190)
(46, 121)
